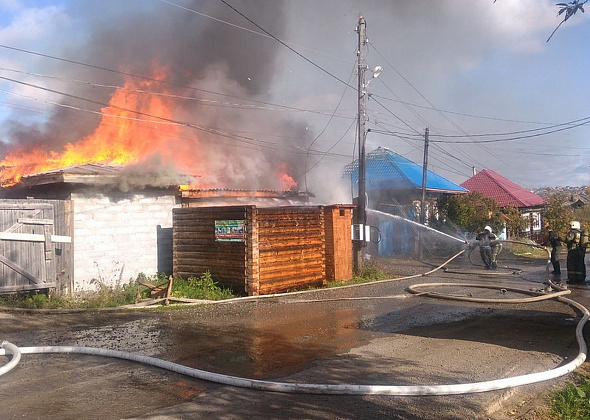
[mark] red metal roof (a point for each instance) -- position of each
(506, 193)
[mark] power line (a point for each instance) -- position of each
(427, 124)
(287, 46)
(248, 30)
(146, 78)
(269, 107)
(430, 103)
(324, 129)
(570, 127)
(462, 114)
(160, 120)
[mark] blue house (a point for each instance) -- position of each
(394, 186)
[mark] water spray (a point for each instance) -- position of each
(416, 224)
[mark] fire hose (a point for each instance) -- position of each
(346, 389)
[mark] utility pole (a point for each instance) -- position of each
(424, 174)
(423, 202)
(360, 213)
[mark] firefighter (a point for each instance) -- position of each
(554, 241)
(577, 242)
(489, 248)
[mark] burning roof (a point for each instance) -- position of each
(122, 177)
(159, 98)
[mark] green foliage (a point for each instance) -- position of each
(582, 215)
(109, 296)
(557, 212)
(370, 273)
(203, 287)
(515, 223)
(573, 402)
(33, 300)
(119, 295)
(526, 248)
(568, 10)
(471, 212)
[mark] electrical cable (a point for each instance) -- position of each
(288, 47)
(444, 116)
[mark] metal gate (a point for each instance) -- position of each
(27, 245)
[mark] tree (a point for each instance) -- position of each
(472, 212)
(568, 10)
(582, 214)
(558, 212)
(515, 223)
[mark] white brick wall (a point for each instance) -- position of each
(115, 238)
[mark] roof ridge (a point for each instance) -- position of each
(502, 186)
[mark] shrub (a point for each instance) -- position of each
(203, 287)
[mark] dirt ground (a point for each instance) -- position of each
(374, 334)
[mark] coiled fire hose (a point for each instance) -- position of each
(340, 389)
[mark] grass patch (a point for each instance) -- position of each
(367, 274)
(106, 296)
(203, 287)
(573, 402)
(523, 250)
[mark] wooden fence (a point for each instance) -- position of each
(36, 245)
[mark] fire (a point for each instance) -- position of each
(136, 128)
(286, 181)
(129, 133)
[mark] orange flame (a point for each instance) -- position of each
(135, 127)
(127, 134)
(286, 181)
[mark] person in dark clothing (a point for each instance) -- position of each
(554, 241)
(488, 248)
(577, 242)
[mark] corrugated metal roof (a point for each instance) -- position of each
(236, 192)
(506, 193)
(87, 169)
(386, 169)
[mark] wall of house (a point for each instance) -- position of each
(119, 235)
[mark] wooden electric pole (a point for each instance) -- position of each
(361, 211)
(423, 202)
(424, 175)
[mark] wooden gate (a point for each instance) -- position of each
(27, 245)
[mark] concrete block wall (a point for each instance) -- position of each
(116, 236)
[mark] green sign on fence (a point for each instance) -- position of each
(229, 230)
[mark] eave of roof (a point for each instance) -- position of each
(235, 192)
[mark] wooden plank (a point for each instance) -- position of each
(294, 244)
(29, 221)
(286, 261)
(19, 225)
(32, 237)
(295, 271)
(29, 205)
(20, 270)
(23, 287)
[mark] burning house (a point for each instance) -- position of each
(118, 227)
(152, 126)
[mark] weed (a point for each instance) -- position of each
(573, 402)
(367, 274)
(523, 249)
(203, 287)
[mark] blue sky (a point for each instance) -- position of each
(480, 75)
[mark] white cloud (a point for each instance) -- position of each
(33, 24)
(10, 5)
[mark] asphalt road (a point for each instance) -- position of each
(376, 334)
